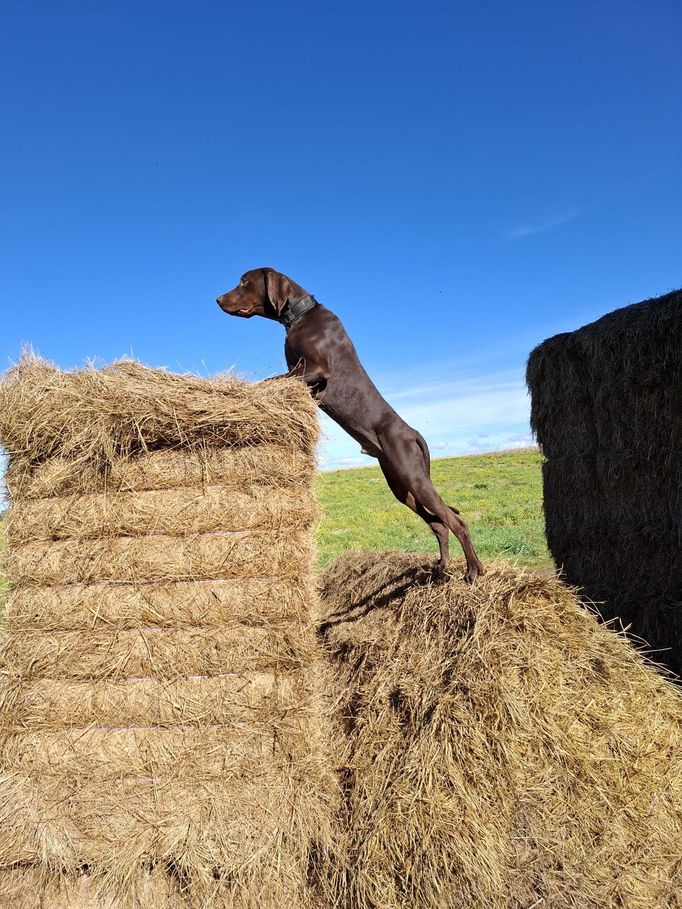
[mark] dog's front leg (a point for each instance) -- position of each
(313, 376)
(295, 373)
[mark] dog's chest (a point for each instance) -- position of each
(295, 349)
(291, 354)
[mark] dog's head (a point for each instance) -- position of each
(260, 292)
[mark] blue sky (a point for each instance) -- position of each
(457, 181)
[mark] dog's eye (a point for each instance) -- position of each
(243, 281)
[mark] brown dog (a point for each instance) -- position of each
(319, 351)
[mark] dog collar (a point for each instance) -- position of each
(292, 312)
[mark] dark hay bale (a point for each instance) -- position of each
(500, 749)
(607, 412)
(161, 726)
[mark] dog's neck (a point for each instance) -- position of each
(292, 312)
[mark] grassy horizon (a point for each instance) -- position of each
(499, 495)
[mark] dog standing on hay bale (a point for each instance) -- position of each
(318, 350)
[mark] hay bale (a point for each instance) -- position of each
(607, 412)
(500, 748)
(161, 730)
(29, 888)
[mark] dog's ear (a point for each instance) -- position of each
(278, 289)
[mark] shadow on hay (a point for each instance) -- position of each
(378, 595)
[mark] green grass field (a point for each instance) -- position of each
(499, 495)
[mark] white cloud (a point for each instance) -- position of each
(519, 232)
(464, 415)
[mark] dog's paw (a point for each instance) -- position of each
(473, 572)
(438, 573)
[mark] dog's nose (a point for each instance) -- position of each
(218, 299)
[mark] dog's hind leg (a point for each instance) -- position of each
(424, 448)
(404, 456)
(404, 496)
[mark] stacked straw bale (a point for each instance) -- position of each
(607, 412)
(500, 748)
(161, 736)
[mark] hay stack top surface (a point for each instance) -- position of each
(500, 748)
(610, 384)
(103, 414)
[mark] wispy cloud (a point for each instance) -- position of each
(463, 415)
(518, 233)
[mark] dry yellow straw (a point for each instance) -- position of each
(500, 748)
(161, 734)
